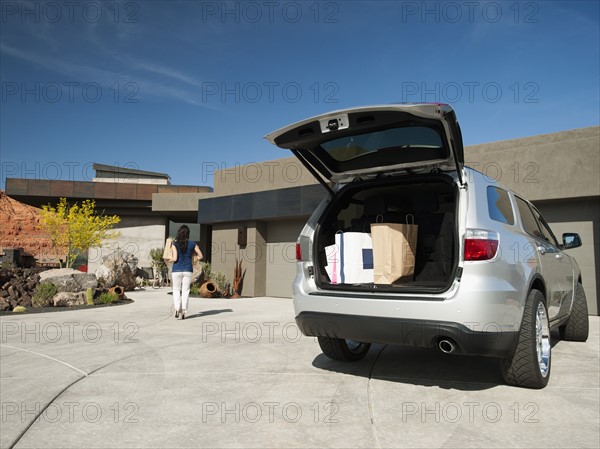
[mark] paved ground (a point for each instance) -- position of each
(236, 374)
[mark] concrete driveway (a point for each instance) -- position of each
(236, 373)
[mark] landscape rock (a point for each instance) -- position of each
(17, 287)
(69, 280)
(118, 269)
(123, 256)
(26, 300)
(67, 299)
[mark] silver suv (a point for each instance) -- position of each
(490, 277)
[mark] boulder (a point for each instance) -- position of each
(67, 299)
(118, 269)
(123, 256)
(69, 280)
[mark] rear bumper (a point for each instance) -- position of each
(397, 331)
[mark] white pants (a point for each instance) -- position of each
(181, 289)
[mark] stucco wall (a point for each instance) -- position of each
(548, 166)
(260, 176)
(176, 202)
(138, 236)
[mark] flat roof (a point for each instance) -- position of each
(128, 171)
(22, 187)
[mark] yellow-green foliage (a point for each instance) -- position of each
(19, 309)
(108, 298)
(76, 228)
(89, 295)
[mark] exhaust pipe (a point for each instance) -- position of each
(447, 346)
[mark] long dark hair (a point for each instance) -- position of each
(183, 235)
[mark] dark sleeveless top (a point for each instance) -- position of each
(184, 259)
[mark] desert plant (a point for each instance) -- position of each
(220, 280)
(19, 309)
(238, 278)
(108, 298)
(195, 289)
(89, 295)
(44, 293)
(206, 270)
(156, 254)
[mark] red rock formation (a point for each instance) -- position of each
(18, 229)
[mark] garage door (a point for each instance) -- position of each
(281, 256)
(584, 256)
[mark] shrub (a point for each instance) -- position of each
(19, 309)
(221, 280)
(206, 270)
(108, 298)
(195, 289)
(44, 293)
(158, 262)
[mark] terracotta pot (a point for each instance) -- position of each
(208, 289)
(117, 290)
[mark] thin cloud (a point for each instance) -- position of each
(168, 72)
(147, 87)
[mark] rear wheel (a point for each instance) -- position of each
(344, 350)
(577, 328)
(529, 366)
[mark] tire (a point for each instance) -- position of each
(578, 327)
(530, 364)
(343, 350)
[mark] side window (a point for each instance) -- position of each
(499, 206)
(546, 232)
(528, 219)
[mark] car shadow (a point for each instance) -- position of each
(208, 313)
(425, 367)
(421, 366)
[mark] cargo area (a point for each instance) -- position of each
(428, 200)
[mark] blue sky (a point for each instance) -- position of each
(184, 87)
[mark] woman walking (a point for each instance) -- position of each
(182, 252)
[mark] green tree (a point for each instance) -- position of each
(76, 228)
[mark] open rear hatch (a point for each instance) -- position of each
(365, 142)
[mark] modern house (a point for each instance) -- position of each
(256, 211)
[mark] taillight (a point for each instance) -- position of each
(480, 244)
(298, 252)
